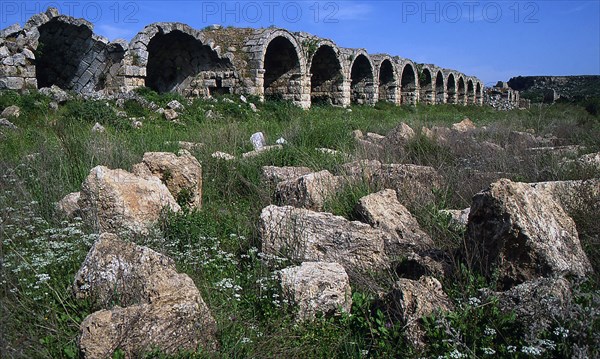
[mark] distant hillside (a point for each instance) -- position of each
(566, 87)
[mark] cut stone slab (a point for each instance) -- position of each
(223, 156)
(11, 112)
(170, 114)
(264, 149)
(274, 174)
(524, 234)
(161, 308)
(317, 287)
(573, 196)
(309, 191)
(116, 200)
(258, 141)
(399, 136)
(412, 183)
(304, 235)
(382, 210)
(465, 125)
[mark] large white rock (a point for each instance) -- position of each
(116, 200)
(382, 210)
(317, 287)
(303, 235)
(524, 234)
(145, 304)
(181, 173)
(309, 191)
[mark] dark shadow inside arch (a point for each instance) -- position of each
(361, 75)
(478, 92)
(387, 82)
(282, 69)
(326, 77)
(409, 87)
(451, 89)
(174, 59)
(426, 85)
(461, 91)
(439, 88)
(60, 52)
(470, 92)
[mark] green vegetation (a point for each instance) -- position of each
(218, 246)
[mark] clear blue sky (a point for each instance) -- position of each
(493, 40)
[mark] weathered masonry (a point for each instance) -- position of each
(53, 49)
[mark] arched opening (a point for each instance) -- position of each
(175, 59)
(479, 94)
(461, 91)
(361, 85)
(61, 49)
(387, 82)
(470, 92)
(409, 85)
(326, 78)
(282, 79)
(426, 86)
(440, 89)
(451, 89)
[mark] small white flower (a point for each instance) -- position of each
(561, 332)
(474, 301)
(455, 354)
(489, 331)
(535, 351)
(488, 351)
(511, 348)
(246, 340)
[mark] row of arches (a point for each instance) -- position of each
(271, 63)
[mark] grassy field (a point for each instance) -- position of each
(51, 153)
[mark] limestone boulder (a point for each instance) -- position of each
(170, 115)
(274, 175)
(362, 170)
(11, 112)
(116, 200)
(7, 124)
(524, 234)
(303, 235)
(399, 136)
(57, 94)
(317, 287)
(465, 125)
(69, 206)
(573, 196)
(222, 156)
(433, 263)
(539, 304)
(458, 218)
(181, 173)
(309, 191)
(382, 210)
(410, 300)
(260, 151)
(156, 306)
(412, 183)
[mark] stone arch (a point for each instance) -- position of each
(362, 79)
(387, 78)
(479, 94)
(69, 55)
(461, 90)
(470, 92)
(440, 88)
(409, 85)
(426, 85)
(173, 57)
(451, 88)
(326, 75)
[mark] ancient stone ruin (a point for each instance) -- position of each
(53, 49)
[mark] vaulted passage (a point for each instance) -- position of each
(440, 90)
(470, 93)
(387, 82)
(175, 60)
(451, 89)
(282, 70)
(362, 86)
(461, 91)
(478, 94)
(326, 79)
(60, 54)
(409, 86)
(426, 85)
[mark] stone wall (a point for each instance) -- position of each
(173, 57)
(502, 97)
